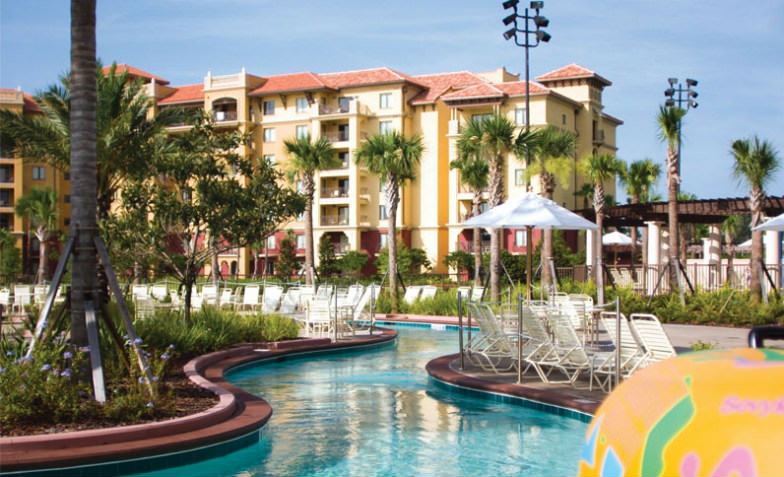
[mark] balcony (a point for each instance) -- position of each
(340, 248)
(364, 195)
(598, 136)
(344, 108)
(336, 136)
(484, 246)
(224, 116)
(334, 192)
(329, 220)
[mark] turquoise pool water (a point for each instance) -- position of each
(376, 412)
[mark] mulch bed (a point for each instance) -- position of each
(188, 399)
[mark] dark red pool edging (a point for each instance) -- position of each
(440, 369)
(237, 413)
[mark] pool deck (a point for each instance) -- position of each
(239, 413)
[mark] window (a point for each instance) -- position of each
(300, 187)
(343, 156)
(520, 238)
(481, 117)
(382, 241)
(385, 100)
(67, 198)
(483, 207)
(5, 197)
(302, 105)
(39, 173)
(269, 107)
(269, 134)
(302, 131)
(186, 195)
(300, 241)
(384, 127)
(520, 116)
(382, 212)
(271, 242)
(270, 158)
(563, 119)
(519, 177)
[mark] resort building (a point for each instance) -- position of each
(347, 107)
(18, 177)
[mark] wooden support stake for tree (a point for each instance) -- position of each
(99, 386)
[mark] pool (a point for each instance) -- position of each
(377, 412)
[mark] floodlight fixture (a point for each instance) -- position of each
(537, 5)
(692, 103)
(672, 81)
(669, 92)
(669, 103)
(693, 93)
(691, 82)
(542, 35)
(541, 21)
(511, 18)
(509, 34)
(510, 3)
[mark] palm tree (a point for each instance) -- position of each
(495, 140)
(395, 159)
(307, 157)
(669, 121)
(40, 205)
(639, 179)
(474, 172)
(730, 227)
(755, 163)
(600, 169)
(552, 152)
(82, 151)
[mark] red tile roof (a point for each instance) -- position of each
(517, 88)
(136, 73)
(290, 82)
(479, 91)
(441, 83)
(572, 71)
(185, 94)
(368, 77)
(30, 106)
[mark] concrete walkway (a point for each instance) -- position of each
(723, 337)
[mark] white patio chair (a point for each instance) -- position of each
(652, 336)
(412, 294)
(140, 292)
(23, 296)
(271, 299)
(159, 291)
(573, 358)
(428, 291)
(250, 298)
(477, 293)
(633, 355)
(288, 303)
(210, 294)
(39, 294)
(318, 317)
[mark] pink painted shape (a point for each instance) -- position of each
(738, 461)
(690, 465)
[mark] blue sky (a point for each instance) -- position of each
(735, 50)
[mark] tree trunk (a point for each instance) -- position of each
(672, 214)
(547, 182)
(755, 285)
(477, 240)
(598, 206)
(393, 198)
(496, 198)
(83, 163)
(40, 276)
(310, 190)
(635, 199)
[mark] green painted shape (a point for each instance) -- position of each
(772, 355)
(663, 432)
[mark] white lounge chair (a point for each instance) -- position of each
(140, 292)
(271, 299)
(492, 350)
(250, 298)
(652, 336)
(412, 294)
(428, 291)
(210, 294)
(159, 291)
(477, 293)
(573, 358)
(633, 356)
(318, 317)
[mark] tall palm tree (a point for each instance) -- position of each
(474, 172)
(755, 163)
(495, 139)
(730, 227)
(307, 157)
(600, 169)
(40, 206)
(394, 158)
(552, 161)
(639, 178)
(82, 131)
(669, 122)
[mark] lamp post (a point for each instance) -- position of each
(526, 36)
(680, 96)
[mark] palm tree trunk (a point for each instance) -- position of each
(755, 285)
(496, 198)
(548, 187)
(672, 214)
(477, 240)
(83, 162)
(40, 276)
(598, 205)
(393, 198)
(310, 190)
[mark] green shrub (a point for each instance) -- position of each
(278, 327)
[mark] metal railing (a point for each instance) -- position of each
(334, 192)
(333, 220)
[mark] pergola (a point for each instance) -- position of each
(703, 211)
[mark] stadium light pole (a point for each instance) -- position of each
(527, 33)
(683, 98)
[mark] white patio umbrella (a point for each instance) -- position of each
(776, 223)
(616, 239)
(531, 211)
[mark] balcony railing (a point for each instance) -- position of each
(333, 220)
(225, 115)
(340, 109)
(336, 136)
(484, 246)
(340, 248)
(598, 136)
(334, 192)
